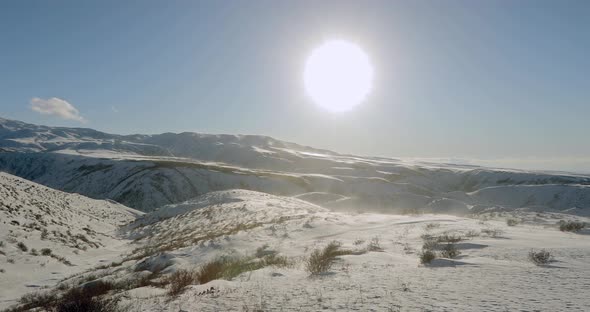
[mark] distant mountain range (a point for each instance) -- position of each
(149, 171)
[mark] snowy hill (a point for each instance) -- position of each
(240, 250)
(46, 234)
(149, 171)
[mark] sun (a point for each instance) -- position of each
(338, 75)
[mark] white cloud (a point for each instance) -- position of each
(57, 107)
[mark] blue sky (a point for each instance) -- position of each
(502, 82)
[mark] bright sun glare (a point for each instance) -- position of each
(338, 75)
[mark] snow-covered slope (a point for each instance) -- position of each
(46, 234)
(379, 271)
(492, 273)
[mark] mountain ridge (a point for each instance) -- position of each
(149, 171)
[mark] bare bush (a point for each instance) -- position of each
(472, 233)
(264, 251)
(430, 244)
(321, 260)
(276, 261)
(37, 300)
(448, 238)
(374, 244)
(431, 226)
(61, 259)
(318, 262)
(426, 256)
(571, 226)
(88, 299)
(22, 246)
(511, 222)
(450, 251)
(540, 257)
(495, 233)
(210, 271)
(44, 234)
(179, 280)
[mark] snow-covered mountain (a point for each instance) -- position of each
(149, 171)
(244, 150)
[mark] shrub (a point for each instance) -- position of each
(511, 222)
(179, 280)
(410, 211)
(61, 259)
(446, 238)
(426, 256)
(318, 262)
(233, 267)
(88, 299)
(541, 257)
(22, 246)
(450, 251)
(495, 233)
(34, 252)
(46, 251)
(10, 261)
(1, 243)
(152, 279)
(228, 268)
(430, 245)
(2, 271)
(44, 234)
(571, 226)
(210, 271)
(321, 260)
(264, 251)
(374, 245)
(358, 242)
(472, 233)
(276, 260)
(37, 300)
(431, 226)
(433, 242)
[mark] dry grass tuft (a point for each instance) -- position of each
(321, 260)
(179, 280)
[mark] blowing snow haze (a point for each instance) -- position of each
(441, 161)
